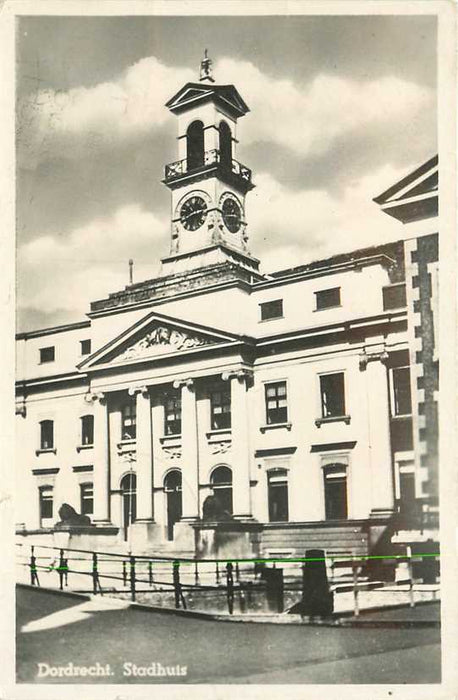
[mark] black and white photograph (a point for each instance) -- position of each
(231, 249)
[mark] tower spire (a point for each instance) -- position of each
(206, 68)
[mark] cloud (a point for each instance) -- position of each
(74, 123)
(67, 272)
(293, 227)
(309, 118)
(304, 118)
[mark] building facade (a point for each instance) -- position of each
(290, 398)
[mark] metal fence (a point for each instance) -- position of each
(221, 584)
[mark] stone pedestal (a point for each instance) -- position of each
(144, 534)
(184, 537)
(227, 539)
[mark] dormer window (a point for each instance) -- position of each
(47, 354)
(271, 310)
(327, 298)
(85, 347)
(394, 297)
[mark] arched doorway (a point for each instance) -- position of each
(221, 483)
(129, 501)
(195, 145)
(225, 144)
(172, 490)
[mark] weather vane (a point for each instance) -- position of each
(206, 71)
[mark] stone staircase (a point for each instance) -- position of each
(337, 538)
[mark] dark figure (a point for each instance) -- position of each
(69, 517)
(213, 510)
(317, 599)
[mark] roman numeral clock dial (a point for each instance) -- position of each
(232, 214)
(193, 213)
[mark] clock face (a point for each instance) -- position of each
(193, 213)
(232, 214)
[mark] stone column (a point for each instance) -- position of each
(144, 455)
(378, 404)
(101, 459)
(240, 443)
(190, 452)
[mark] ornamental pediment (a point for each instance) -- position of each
(162, 340)
(156, 336)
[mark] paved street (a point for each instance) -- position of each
(59, 629)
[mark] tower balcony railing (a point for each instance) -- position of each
(180, 168)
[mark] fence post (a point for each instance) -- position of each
(354, 566)
(230, 587)
(61, 570)
(237, 572)
(217, 573)
(95, 573)
(33, 568)
(124, 573)
(409, 564)
(132, 577)
(196, 573)
(150, 572)
(176, 583)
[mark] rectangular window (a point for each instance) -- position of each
(402, 401)
(335, 492)
(277, 481)
(173, 414)
(332, 395)
(87, 498)
(326, 298)
(271, 310)
(220, 406)
(87, 430)
(85, 347)
(129, 420)
(276, 403)
(47, 354)
(46, 435)
(394, 297)
(46, 503)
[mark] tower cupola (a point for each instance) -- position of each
(208, 184)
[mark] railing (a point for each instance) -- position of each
(179, 168)
(202, 584)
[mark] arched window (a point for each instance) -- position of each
(129, 500)
(221, 482)
(225, 143)
(87, 430)
(195, 145)
(46, 435)
(172, 489)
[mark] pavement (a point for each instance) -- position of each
(111, 642)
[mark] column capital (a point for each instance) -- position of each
(179, 383)
(365, 358)
(92, 397)
(239, 374)
(134, 390)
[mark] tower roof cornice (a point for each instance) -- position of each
(192, 94)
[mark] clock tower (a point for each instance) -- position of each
(208, 185)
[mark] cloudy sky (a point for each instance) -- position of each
(341, 107)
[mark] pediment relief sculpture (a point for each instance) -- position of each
(163, 340)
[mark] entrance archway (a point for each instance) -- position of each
(174, 505)
(129, 501)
